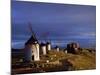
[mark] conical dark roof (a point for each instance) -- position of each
(48, 43)
(32, 40)
(42, 44)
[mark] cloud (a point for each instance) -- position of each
(17, 44)
(61, 21)
(89, 34)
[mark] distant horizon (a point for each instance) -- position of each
(60, 23)
(61, 43)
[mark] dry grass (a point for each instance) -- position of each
(83, 61)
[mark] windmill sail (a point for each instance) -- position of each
(33, 38)
(31, 30)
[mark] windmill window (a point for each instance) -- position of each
(33, 57)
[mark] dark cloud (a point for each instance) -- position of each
(60, 21)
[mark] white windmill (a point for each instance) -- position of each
(31, 50)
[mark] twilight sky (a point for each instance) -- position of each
(60, 23)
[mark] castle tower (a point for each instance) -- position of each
(73, 47)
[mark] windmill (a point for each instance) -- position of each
(32, 47)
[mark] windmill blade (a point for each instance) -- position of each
(30, 27)
(31, 30)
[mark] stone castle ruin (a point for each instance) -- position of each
(73, 48)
